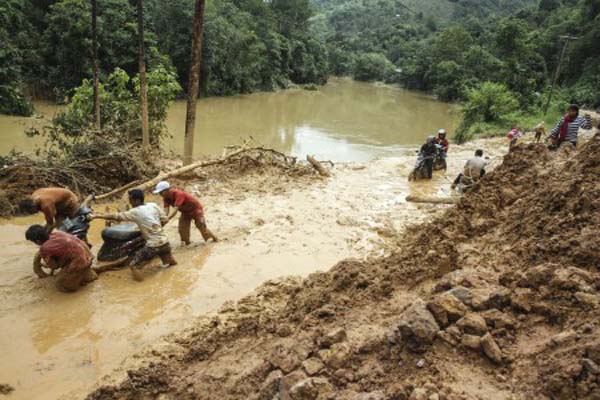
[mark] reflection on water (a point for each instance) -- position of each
(342, 121)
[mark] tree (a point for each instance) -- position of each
(194, 81)
(143, 82)
(96, 66)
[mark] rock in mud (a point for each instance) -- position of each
(270, 386)
(537, 276)
(472, 324)
(563, 338)
(287, 382)
(335, 336)
(498, 320)
(417, 326)
(522, 300)
(463, 294)
(284, 359)
(312, 366)
(471, 342)
(338, 356)
(377, 395)
(491, 348)
(447, 309)
(590, 366)
(310, 389)
(419, 394)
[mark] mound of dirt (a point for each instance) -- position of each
(495, 299)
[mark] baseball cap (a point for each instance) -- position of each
(162, 185)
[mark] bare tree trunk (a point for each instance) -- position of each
(96, 68)
(143, 83)
(193, 82)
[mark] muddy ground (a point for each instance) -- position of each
(273, 224)
(496, 298)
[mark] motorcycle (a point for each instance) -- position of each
(120, 242)
(420, 170)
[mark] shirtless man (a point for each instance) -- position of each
(55, 203)
(190, 209)
(149, 218)
(64, 252)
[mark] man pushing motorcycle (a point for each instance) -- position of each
(150, 219)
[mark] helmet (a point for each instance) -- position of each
(161, 186)
(442, 132)
(430, 139)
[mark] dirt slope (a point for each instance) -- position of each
(495, 299)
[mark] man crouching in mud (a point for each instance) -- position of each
(66, 252)
(150, 219)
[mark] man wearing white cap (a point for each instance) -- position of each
(190, 209)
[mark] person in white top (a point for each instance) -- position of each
(150, 218)
(473, 171)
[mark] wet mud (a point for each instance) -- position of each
(58, 345)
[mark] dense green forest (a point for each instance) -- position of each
(477, 52)
(249, 45)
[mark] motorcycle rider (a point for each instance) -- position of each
(427, 153)
(150, 219)
(65, 252)
(442, 141)
(55, 203)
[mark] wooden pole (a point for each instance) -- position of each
(193, 82)
(143, 82)
(96, 82)
(557, 71)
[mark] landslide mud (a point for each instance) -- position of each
(57, 345)
(496, 298)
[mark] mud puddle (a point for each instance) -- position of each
(58, 345)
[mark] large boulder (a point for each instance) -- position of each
(417, 326)
(447, 309)
(287, 382)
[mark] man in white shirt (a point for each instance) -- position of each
(473, 171)
(150, 218)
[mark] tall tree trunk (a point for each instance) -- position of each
(96, 67)
(143, 83)
(193, 82)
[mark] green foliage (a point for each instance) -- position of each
(373, 67)
(120, 108)
(490, 103)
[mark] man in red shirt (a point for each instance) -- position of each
(65, 252)
(190, 209)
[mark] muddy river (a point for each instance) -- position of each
(56, 345)
(344, 121)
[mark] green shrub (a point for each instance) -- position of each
(373, 67)
(13, 102)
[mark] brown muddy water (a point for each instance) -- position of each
(342, 121)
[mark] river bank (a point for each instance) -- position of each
(273, 226)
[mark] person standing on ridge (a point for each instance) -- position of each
(567, 128)
(189, 207)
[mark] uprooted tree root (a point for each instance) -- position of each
(498, 298)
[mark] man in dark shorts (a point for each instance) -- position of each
(55, 203)
(190, 209)
(66, 253)
(150, 219)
